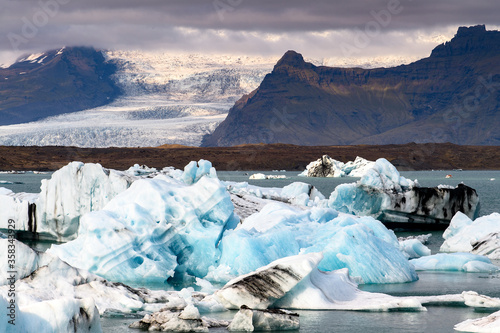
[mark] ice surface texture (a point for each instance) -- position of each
(481, 236)
(157, 228)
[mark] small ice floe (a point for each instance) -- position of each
(248, 320)
(263, 176)
(463, 262)
(489, 323)
(492, 179)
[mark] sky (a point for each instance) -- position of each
(315, 28)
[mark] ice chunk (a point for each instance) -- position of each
(18, 209)
(363, 245)
(414, 248)
(479, 236)
(465, 262)
(257, 176)
(155, 229)
(328, 167)
(249, 320)
(263, 287)
(195, 170)
(296, 193)
(337, 291)
(384, 194)
(61, 315)
(489, 323)
(141, 170)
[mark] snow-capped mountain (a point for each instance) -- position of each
(165, 99)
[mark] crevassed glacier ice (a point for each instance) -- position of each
(480, 236)
(156, 229)
(383, 193)
(465, 262)
(329, 167)
(362, 244)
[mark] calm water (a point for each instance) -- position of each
(436, 319)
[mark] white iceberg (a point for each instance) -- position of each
(249, 320)
(329, 167)
(464, 262)
(488, 324)
(61, 315)
(480, 236)
(72, 191)
(384, 194)
(297, 193)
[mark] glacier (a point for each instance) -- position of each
(167, 99)
(329, 167)
(479, 236)
(401, 203)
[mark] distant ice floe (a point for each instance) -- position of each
(329, 167)
(464, 262)
(481, 236)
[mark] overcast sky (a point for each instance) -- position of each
(315, 28)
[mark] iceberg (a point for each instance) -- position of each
(260, 289)
(297, 193)
(480, 236)
(414, 248)
(488, 324)
(72, 191)
(61, 315)
(160, 230)
(329, 167)
(362, 244)
(248, 320)
(297, 283)
(464, 262)
(401, 203)
(263, 176)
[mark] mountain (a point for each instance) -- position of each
(55, 82)
(165, 99)
(451, 96)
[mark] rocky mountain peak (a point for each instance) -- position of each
(291, 59)
(474, 40)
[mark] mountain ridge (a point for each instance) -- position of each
(451, 96)
(56, 82)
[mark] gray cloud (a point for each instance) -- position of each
(316, 28)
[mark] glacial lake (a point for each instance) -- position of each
(436, 319)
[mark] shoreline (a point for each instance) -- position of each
(264, 157)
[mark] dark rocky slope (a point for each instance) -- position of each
(451, 96)
(56, 82)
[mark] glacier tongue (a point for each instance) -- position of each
(168, 99)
